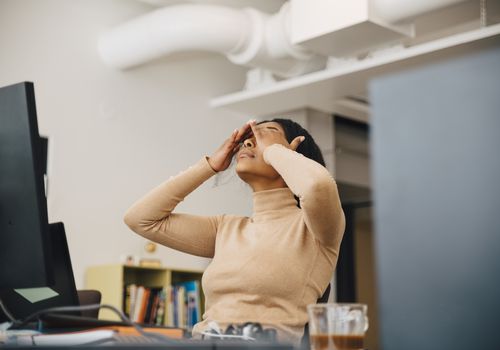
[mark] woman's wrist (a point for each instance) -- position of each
(209, 161)
(269, 149)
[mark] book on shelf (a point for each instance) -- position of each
(152, 304)
(169, 295)
(129, 298)
(135, 312)
(151, 315)
(174, 306)
(181, 307)
(141, 304)
(189, 302)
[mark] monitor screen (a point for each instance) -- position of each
(24, 230)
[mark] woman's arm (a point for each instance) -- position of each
(308, 180)
(152, 218)
(316, 189)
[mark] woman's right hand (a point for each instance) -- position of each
(221, 158)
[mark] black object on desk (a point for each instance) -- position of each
(24, 230)
(64, 280)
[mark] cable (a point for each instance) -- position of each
(123, 317)
(6, 312)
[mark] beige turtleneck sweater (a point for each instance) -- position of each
(265, 268)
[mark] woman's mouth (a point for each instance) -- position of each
(246, 155)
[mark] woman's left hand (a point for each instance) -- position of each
(266, 137)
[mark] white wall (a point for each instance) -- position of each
(115, 135)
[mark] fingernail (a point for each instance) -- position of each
(302, 138)
(251, 121)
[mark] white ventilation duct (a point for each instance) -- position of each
(247, 37)
(394, 11)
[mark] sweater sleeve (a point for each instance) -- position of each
(317, 192)
(152, 217)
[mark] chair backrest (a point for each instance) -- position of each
(89, 297)
(304, 343)
(324, 298)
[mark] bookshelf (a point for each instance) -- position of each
(111, 281)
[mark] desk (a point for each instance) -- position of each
(183, 345)
(118, 337)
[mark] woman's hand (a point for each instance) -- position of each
(221, 158)
(266, 136)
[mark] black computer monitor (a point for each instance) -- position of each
(24, 302)
(24, 230)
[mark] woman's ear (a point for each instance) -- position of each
(296, 142)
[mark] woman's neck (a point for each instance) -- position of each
(266, 184)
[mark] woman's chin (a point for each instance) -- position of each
(242, 168)
(244, 171)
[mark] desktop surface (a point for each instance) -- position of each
(185, 344)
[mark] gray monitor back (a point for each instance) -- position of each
(436, 172)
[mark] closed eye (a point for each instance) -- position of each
(272, 128)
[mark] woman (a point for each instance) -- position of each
(266, 268)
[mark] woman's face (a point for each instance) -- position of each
(250, 164)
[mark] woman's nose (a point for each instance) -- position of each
(248, 143)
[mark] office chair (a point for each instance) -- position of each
(89, 297)
(304, 343)
(324, 298)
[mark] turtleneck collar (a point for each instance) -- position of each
(272, 204)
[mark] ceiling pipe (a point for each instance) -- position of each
(270, 47)
(246, 36)
(174, 29)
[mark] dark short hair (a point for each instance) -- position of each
(308, 147)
